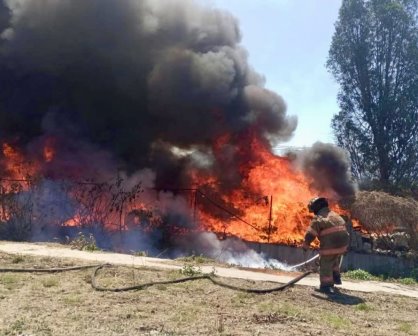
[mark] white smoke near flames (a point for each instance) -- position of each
(230, 250)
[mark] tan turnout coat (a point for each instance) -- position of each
(330, 229)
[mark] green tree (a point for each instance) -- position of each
(374, 58)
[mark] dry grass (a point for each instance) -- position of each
(65, 304)
(379, 210)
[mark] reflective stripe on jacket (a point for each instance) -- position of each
(330, 229)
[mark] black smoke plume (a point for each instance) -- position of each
(329, 168)
(132, 78)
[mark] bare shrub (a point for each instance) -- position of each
(83, 242)
(38, 208)
(16, 212)
(101, 203)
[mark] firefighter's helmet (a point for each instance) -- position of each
(317, 204)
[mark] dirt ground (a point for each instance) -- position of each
(66, 304)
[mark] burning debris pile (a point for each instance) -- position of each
(145, 116)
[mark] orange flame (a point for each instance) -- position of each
(270, 203)
(14, 161)
(16, 167)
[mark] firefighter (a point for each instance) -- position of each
(330, 229)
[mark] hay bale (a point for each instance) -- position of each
(382, 213)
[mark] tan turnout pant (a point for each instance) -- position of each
(327, 265)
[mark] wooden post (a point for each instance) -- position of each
(3, 207)
(121, 217)
(270, 218)
(194, 206)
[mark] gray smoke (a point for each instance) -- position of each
(329, 168)
(4, 16)
(134, 78)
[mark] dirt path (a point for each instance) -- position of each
(36, 249)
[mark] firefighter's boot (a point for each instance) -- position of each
(326, 289)
(337, 278)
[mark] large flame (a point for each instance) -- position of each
(269, 204)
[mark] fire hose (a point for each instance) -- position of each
(46, 270)
(209, 277)
(305, 262)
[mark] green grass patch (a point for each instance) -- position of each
(337, 322)
(72, 299)
(405, 327)
(190, 270)
(50, 282)
(289, 310)
(10, 280)
(407, 281)
(360, 274)
(363, 307)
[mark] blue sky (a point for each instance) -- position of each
(288, 42)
